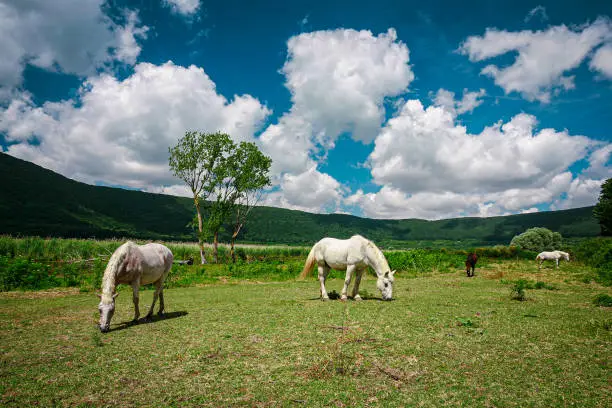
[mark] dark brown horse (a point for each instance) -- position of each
(470, 264)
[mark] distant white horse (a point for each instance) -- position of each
(134, 265)
(353, 255)
(551, 256)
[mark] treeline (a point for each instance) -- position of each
(38, 202)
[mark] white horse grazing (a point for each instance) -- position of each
(134, 265)
(353, 255)
(551, 256)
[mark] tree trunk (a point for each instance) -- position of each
(232, 252)
(216, 245)
(200, 243)
(237, 228)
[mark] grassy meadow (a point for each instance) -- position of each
(250, 335)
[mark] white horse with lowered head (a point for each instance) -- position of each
(353, 255)
(134, 265)
(551, 256)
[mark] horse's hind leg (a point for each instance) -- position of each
(135, 289)
(323, 271)
(161, 302)
(158, 287)
(347, 281)
(358, 274)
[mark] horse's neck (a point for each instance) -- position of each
(376, 258)
(109, 280)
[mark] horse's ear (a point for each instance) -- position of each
(393, 272)
(115, 295)
(99, 295)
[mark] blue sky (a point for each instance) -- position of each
(391, 109)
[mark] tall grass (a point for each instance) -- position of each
(39, 263)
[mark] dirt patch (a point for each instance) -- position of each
(51, 293)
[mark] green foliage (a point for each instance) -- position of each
(603, 299)
(597, 252)
(603, 209)
(538, 239)
(23, 274)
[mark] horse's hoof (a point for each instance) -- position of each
(148, 319)
(134, 321)
(325, 299)
(161, 314)
(357, 298)
(343, 298)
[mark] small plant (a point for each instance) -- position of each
(518, 289)
(466, 322)
(96, 338)
(333, 295)
(603, 300)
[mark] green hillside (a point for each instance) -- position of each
(37, 201)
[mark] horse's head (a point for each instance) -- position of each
(385, 285)
(566, 256)
(107, 309)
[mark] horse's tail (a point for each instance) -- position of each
(310, 261)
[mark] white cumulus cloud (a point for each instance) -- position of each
(543, 58)
(120, 131)
(602, 61)
(469, 101)
(184, 7)
(311, 191)
(87, 40)
(430, 167)
(338, 81)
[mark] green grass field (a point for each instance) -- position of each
(445, 340)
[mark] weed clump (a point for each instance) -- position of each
(518, 290)
(603, 300)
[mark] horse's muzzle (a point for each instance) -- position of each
(104, 329)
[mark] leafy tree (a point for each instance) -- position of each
(538, 239)
(603, 209)
(239, 179)
(197, 159)
(253, 169)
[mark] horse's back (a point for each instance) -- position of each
(156, 256)
(337, 253)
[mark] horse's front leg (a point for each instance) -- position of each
(347, 281)
(135, 289)
(358, 275)
(323, 270)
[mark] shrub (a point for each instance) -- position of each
(538, 239)
(597, 252)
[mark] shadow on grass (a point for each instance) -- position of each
(351, 298)
(144, 320)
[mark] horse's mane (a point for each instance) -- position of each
(380, 257)
(110, 273)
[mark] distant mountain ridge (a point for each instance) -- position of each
(37, 201)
